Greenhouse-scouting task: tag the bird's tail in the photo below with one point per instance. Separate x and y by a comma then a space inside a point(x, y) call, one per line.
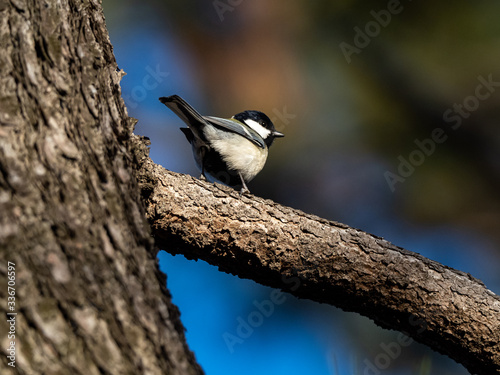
point(186, 113)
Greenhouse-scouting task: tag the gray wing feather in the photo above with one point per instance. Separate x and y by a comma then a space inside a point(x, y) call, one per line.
point(234, 126)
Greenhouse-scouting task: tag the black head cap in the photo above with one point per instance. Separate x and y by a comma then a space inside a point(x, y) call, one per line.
point(266, 129)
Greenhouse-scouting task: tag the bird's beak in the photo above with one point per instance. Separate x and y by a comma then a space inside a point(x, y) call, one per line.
point(277, 134)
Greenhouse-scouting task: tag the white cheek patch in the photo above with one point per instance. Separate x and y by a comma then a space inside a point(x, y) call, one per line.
point(262, 131)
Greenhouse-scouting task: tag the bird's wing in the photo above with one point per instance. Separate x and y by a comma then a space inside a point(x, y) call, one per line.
point(235, 126)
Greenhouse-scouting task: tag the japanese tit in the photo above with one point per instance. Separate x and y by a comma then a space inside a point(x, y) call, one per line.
point(231, 151)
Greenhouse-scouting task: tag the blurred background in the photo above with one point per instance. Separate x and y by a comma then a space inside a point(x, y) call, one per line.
point(391, 115)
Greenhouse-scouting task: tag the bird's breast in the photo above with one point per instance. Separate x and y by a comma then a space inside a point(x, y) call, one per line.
point(241, 155)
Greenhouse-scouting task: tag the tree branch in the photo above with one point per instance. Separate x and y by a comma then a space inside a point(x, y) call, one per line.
point(325, 261)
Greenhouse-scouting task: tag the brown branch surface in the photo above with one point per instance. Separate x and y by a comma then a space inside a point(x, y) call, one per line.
point(325, 261)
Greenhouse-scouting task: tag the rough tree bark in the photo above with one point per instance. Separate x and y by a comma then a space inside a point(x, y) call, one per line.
point(89, 296)
point(448, 310)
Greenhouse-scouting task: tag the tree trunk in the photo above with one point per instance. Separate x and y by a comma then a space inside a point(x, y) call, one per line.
point(86, 296)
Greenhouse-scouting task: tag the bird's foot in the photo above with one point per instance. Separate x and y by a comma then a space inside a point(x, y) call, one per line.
point(244, 190)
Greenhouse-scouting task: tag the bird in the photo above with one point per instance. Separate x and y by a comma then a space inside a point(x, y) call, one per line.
point(231, 151)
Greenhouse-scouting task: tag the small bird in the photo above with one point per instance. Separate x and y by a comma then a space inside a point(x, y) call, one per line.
point(231, 151)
